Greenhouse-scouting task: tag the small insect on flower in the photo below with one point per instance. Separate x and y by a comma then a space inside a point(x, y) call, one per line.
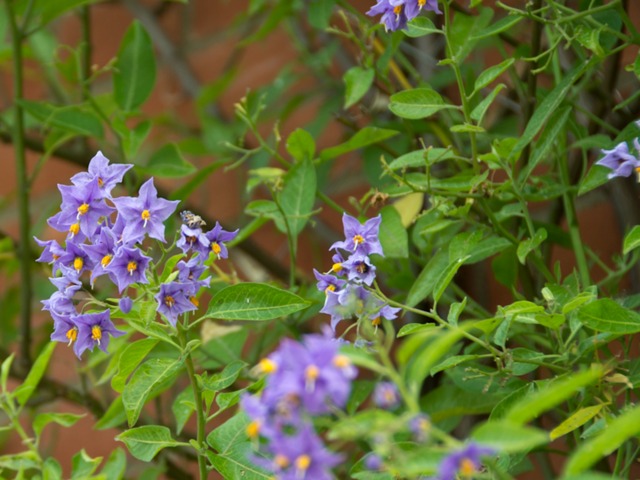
point(192, 220)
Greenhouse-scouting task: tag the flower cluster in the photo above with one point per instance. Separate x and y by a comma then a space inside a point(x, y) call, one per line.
point(464, 462)
point(104, 236)
point(396, 13)
point(622, 162)
point(303, 379)
point(344, 285)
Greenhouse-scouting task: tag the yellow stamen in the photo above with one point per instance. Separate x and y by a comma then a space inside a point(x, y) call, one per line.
point(397, 10)
point(421, 3)
point(145, 215)
point(83, 209)
point(169, 301)
point(96, 333)
point(74, 229)
point(78, 263)
point(215, 248)
point(72, 335)
point(253, 429)
point(311, 374)
point(341, 361)
point(376, 321)
point(106, 260)
point(132, 266)
point(336, 267)
point(101, 182)
point(267, 366)
point(54, 256)
point(330, 288)
point(195, 301)
point(467, 467)
point(281, 461)
point(191, 240)
point(358, 239)
point(303, 462)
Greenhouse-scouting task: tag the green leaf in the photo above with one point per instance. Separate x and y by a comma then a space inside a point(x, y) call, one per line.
point(606, 315)
point(147, 380)
point(552, 394)
point(466, 128)
point(49, 11)
point(490, 74)
point(129, 361)
point(420, 26)
point(183, 407)
point(358, 81)
point(423, 286)
point(417, 103)
point(547, 108)
point(224, 379)
point(145, 442)
point(116, 465)
point(254, 302)
point(134, 137)
point(606, 442)
point(4, 371)
point(83, 465)
point(411, 328)
point(363, 138)
point(421, 158)
point(452, 362)
point(38, 369)
point(73, 118)
point(631, 240)
point(51, 469)
point(479, 111)
point(393, 236)
point(500, 26)
point(64, 419)
point(135, 68)
point(576, 420)
point(267, 209)
point(464, 32)
point(446, 276)
point(527, 246)
point(168, 162)
point(298, 195)
point(113, 417)
point(507, 437)
point(597, 176)
point(301, 145)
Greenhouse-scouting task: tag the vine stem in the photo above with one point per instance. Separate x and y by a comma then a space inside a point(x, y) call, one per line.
point(23, 188)
point(200, 414)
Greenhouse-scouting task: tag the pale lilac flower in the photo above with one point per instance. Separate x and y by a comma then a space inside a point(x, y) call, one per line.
point(620, 161)
point(464, 462)
point(145, 213)
point(173, 301)
point(82, 205)
point(107, 176)
point(193, 239)
point(65, 328)
point(101, 254)
point(125, 304)
point(94, 329)
point(51, 253)
point(328, 283)
point(190, 273)
point(373, 462)
point(385, 395)
point(128, 266)
point(420, 426)
point(360, 238)
point(75, 258)
point(393, 14)
point(218, 238)
point(360, 269)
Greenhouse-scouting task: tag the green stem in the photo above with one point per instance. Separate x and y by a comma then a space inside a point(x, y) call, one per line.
point(200, 414)
point(23, 188)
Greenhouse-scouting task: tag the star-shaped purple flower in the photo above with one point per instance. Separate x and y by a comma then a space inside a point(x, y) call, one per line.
point(218, 237)
point(101, 254)
point(107, 176)
point(360, 238)
point(65, 328)
point(128, 266)
point(145, 213)
point(173, 300)
point(94, 329)
point(193, 238)
point(84, 205)
point(360, 269)
point(620, 160)
point(465, 462)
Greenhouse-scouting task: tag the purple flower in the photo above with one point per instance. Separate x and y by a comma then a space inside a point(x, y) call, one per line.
point(67, 284)
point(360, 269)
point(76, 259)
point(360, 238)
point(107, 176)
point(373, 462)
point(465, 462)
point(65, 329)
point(420, 425)
point(74, 234)
point(82, 205)
point(145, 213)
point(173, 301)
point(193, 238)
point(125, 304)
point(189, 275)
point(301, 456)
point(128, 266)
point(393, 14)
point(101, 254)
point(386, 395)
point(218, 237)
point(51, 253)
point(328, 283)
point(94, 329)
point(620, 160)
